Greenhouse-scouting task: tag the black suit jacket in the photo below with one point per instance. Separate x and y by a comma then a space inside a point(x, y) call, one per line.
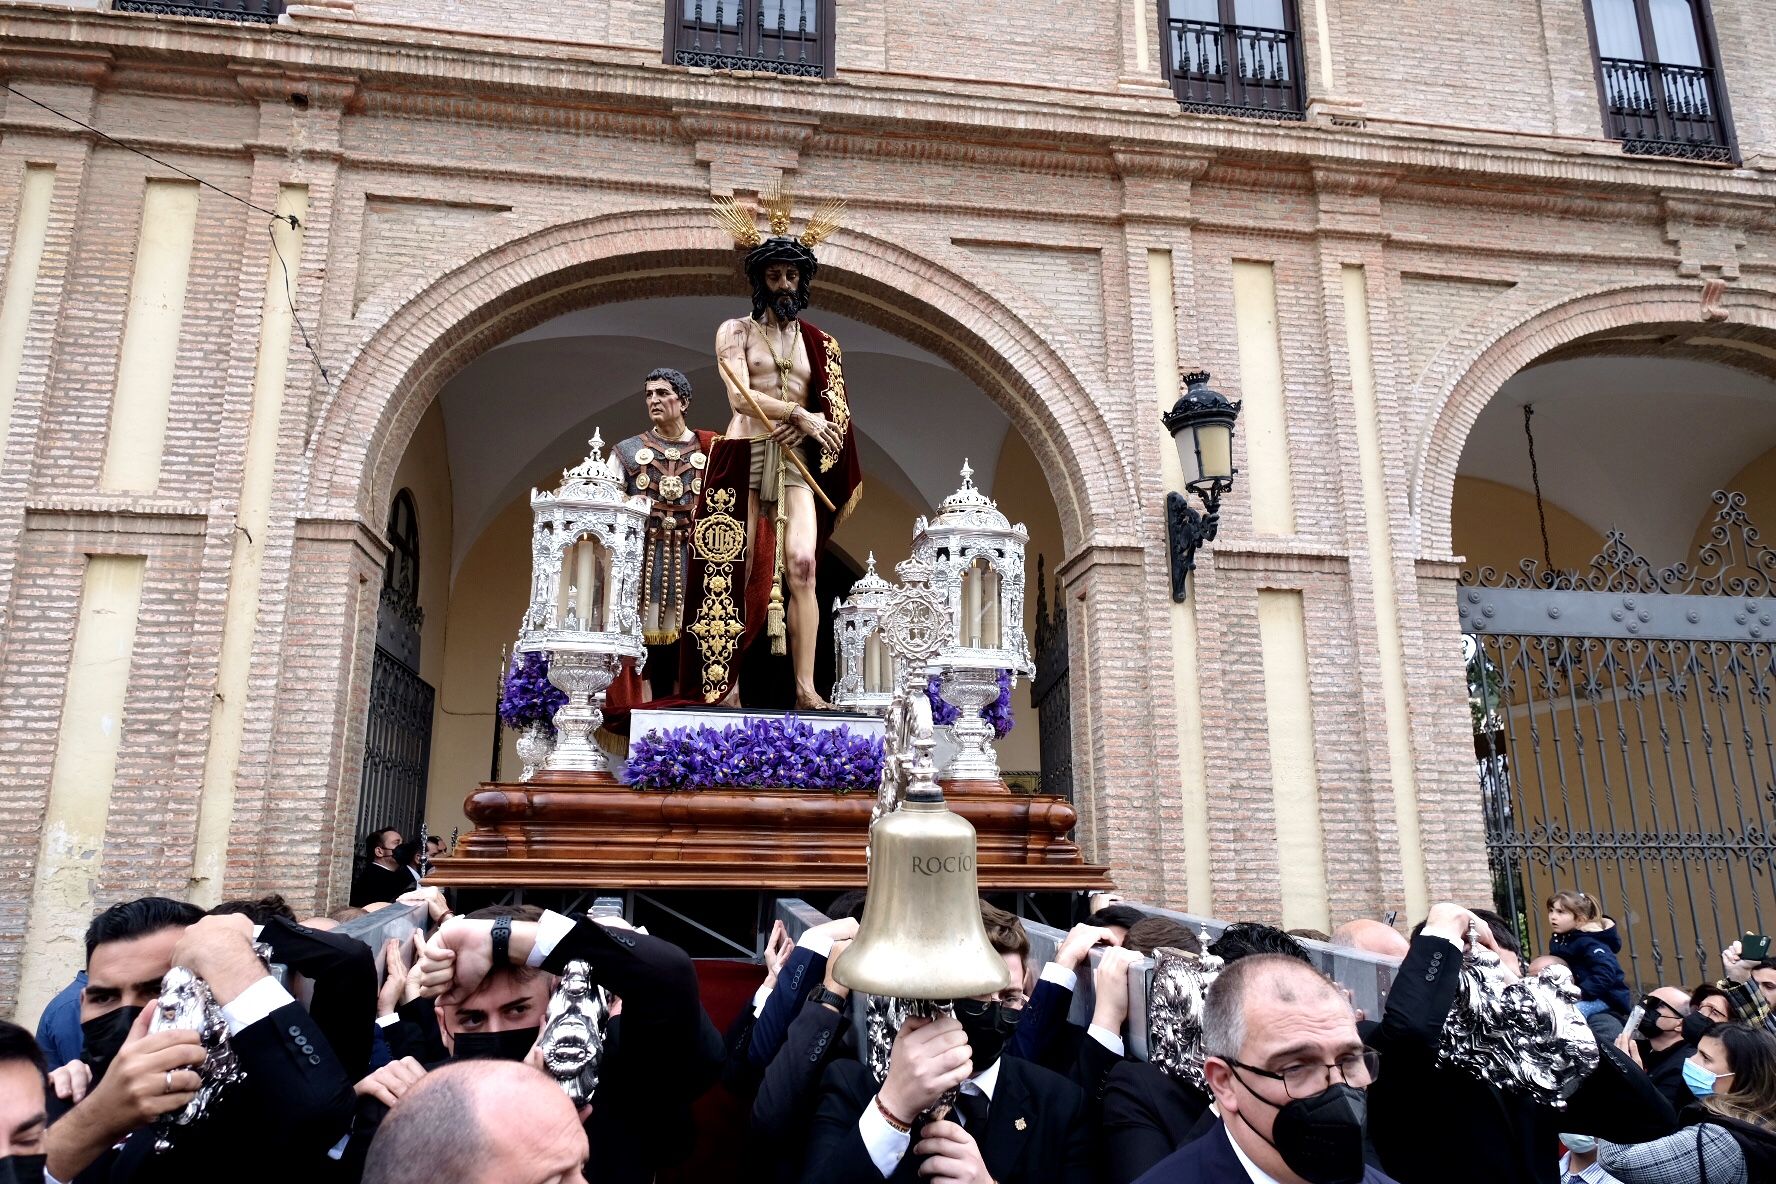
point(376, 883)
point(1666, 1070)
point(660, 1054)
point(1418, 1109)
point(1211, 1160)
point(1036, 1130)
point(343, 972)
point(1146, 1116)
point(276, 1125)
point(789, 1091)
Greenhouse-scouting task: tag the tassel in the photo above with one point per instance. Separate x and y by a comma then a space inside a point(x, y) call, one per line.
point(774, 622)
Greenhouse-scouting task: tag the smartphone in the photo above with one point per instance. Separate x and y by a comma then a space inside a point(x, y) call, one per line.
point(607, 906)
point(1754, 947)
point(1632, 1024)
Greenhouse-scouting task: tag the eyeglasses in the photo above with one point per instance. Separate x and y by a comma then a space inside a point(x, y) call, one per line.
point(1304, 1079)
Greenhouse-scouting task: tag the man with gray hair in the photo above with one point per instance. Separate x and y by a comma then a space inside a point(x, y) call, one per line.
point(480, 1122)
point(1288, 1072)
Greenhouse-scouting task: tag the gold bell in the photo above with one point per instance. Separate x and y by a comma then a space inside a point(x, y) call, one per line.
point(922, 936)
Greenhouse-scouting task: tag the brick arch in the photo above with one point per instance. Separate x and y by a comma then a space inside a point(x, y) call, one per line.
point(434, 330)
point(1505, 349)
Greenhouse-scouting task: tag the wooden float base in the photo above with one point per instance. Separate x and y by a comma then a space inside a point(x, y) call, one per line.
point(558, 833)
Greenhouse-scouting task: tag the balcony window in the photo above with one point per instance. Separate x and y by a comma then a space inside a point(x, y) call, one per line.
point(266, 11)
point(1234, 57)
point(1659, 78)
point(779, 36)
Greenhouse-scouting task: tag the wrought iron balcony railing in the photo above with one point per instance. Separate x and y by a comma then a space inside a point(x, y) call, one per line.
point(1660, 110)
point(266, 11)
point(780, 36)
point(1235, 69)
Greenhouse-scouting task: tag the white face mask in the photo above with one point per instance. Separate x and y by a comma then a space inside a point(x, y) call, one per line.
point(1579, 1144)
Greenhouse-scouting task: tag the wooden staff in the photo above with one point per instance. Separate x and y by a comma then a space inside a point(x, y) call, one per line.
point(790, 452)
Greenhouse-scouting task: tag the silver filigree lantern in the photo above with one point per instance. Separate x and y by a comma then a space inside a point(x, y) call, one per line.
point(865, 680)
point(976, 558)
point(585, 573)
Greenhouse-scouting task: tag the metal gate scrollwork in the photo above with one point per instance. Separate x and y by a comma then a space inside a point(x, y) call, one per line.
point(1624, 741)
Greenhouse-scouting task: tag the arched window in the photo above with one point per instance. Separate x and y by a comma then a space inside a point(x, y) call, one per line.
point(1660, 80)
point(401, 579)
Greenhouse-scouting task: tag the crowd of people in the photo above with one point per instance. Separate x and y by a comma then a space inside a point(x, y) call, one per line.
point(431, 1069)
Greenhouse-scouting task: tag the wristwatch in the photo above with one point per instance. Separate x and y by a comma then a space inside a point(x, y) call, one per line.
point(502, 940)
point(831, 999)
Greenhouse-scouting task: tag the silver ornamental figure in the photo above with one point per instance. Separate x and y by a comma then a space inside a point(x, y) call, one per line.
point(585, 589)
point(572, 1040)
point(1175, 997)
point(976, 559)
point(866, 675)
point(1525, 1035)
point(187, 1005)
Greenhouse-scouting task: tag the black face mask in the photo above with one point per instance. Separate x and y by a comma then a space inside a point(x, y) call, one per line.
point(1649, 1023)
point(1321, 1137)
point(1695, 1026)
point(22, 1169)
point(101, 1039)
point(514, 1044)
point(988, 1026)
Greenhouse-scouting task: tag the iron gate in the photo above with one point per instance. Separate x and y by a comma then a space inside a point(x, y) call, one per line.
point(1625, 744)
point(1049, 691)
point(397, 748)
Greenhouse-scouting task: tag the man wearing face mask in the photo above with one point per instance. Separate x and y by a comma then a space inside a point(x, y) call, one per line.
point(1288, 1073)
point(129, 948)
point(1579, 1163)
point(1420, 1108)
point(22, 1117)
point(1663, 1042)
point(1014, 1122)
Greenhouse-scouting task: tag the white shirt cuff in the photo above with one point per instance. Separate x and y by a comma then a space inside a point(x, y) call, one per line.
point(1060, 976)
point(550, 930)
point(383, 1021)
point(758, 1000)
point(886, 1146)
point(816, 942)
point(254, 1004)
point(338, 1150)
point(1107, 1038)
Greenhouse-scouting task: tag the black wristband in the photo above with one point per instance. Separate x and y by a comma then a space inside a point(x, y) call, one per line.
point(832, 999)
point(502, 940)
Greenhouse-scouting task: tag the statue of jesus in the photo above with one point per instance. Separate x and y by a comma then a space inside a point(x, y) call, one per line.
point(788, 462)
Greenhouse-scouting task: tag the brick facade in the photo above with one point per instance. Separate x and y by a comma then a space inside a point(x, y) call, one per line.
point(466, 183)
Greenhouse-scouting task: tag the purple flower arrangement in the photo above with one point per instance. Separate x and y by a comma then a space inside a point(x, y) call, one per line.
point(998, 713)
point(782, 753)
point(529, 696)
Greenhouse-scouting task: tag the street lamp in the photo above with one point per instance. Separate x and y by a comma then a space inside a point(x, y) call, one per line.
point(1201, 423)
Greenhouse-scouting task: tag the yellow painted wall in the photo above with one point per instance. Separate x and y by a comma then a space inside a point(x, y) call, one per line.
point(21, 280)
point(1495, 525)
point(1022, 491)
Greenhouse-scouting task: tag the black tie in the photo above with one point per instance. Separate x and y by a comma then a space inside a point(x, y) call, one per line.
point(972, 1108)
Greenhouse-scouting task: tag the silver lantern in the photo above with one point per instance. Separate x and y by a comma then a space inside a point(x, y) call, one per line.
point(976, 557)
point(585, 572)
point(866, 666)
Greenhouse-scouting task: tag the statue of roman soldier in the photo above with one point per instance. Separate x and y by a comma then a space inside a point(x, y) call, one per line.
point(665, 464)
point(784, 475)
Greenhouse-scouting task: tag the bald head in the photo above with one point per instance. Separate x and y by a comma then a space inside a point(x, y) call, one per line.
point(1677, 999)
point(1258, 983)
point(479, 1122)
point(1371, 936)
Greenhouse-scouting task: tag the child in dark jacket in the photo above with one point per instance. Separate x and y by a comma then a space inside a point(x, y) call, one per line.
point(1589, 943)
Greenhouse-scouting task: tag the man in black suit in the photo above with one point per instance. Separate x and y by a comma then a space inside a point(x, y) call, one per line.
point(1659, 1047)
point(1014, 1121)
point(1288, 1072)
point(1419, 1109)
point(293, 1104)
point(660, 1053)
point(382, 879)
